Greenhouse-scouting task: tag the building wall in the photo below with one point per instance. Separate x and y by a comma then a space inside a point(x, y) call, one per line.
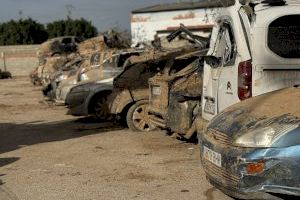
point(144, 26)
point(19, 60)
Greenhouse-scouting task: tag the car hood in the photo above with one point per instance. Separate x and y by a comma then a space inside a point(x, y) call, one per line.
point(275, 108)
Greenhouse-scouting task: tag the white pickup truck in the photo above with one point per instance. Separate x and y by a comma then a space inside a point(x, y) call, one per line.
point(254, 49)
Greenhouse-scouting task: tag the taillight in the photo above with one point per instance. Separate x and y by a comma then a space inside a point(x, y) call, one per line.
point(245, 80)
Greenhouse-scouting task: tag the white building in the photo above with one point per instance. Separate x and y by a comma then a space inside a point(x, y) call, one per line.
point(162, 19)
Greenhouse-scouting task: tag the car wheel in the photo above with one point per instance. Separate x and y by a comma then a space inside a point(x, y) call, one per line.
point(138, 117)
point(100, 109)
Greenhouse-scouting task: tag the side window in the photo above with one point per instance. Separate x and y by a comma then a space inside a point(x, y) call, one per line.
point(225, 47)
point(284, 36)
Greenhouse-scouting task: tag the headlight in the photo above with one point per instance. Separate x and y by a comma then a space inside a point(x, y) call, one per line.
point(264, 137)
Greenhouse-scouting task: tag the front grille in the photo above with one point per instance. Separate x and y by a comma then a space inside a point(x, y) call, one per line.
point(219, 137)
point(221, 174)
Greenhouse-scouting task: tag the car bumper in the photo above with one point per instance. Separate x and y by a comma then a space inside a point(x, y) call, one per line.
point(76, 103)
point(280, 174)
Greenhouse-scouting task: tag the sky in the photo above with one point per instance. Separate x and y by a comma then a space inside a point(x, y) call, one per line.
point(103, 13)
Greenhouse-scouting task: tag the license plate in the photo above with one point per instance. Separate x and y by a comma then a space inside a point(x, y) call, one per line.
point(156, 90)
point(209, 107)
point(212, 156)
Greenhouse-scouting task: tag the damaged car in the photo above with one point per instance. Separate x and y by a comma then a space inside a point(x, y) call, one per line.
point(89, 96)
point(175, 93)
point(89, 69)
point(68, 70)
point(130, 97)
point(252, 149)
point(58, 46)
point(175, 98)
point(253, 50)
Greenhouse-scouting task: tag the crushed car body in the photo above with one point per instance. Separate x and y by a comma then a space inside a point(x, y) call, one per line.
point(175, 93)
point(130, 96)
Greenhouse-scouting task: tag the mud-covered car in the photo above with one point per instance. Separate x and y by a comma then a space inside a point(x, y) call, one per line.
point(56, 78)
point(89, 96)
point(130, 97)
point(253, 148)
point(58, 46)
point(175, 94)
point(46, 72)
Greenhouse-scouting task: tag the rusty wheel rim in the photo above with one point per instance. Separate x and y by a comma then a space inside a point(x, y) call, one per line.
point(141, 119)
point(101, 109)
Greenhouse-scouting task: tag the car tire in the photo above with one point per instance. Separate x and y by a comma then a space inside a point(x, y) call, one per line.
point(137, 117)
point(100, 109)
point(5, 75)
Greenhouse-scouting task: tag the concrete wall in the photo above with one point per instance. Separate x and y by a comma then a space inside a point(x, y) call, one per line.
point(144, 26)
point(19, 60)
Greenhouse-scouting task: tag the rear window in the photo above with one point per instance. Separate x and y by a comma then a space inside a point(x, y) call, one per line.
point(284, 36)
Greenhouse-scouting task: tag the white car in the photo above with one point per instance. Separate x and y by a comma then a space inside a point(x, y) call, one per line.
point(254, 49)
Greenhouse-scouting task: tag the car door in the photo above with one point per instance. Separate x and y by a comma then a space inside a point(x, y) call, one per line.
point(228, 49)
point(212, 70)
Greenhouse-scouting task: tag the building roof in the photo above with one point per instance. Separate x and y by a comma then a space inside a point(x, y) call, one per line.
point(185, 6)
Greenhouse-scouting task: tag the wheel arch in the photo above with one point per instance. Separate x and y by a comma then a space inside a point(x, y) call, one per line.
point(92, 98)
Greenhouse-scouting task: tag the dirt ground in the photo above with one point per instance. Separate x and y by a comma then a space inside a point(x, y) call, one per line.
point(46, 155)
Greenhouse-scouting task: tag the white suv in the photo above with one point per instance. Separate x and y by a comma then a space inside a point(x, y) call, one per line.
point(254, 49)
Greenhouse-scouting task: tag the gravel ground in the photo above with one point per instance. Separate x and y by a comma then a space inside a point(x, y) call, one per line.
point(46, 155)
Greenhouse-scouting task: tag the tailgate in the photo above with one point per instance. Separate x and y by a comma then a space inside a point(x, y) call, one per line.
point(276, 57)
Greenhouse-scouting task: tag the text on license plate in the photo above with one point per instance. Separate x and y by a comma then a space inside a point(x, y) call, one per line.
point(209, 107)
point(212, 156)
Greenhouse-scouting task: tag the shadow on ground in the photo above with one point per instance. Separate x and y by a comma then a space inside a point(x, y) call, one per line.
point(7, 161)
point(16, 136)
point(5, 193)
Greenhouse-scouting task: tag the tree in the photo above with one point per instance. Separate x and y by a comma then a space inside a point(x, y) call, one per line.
point(22, 31)
point(70, 27)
